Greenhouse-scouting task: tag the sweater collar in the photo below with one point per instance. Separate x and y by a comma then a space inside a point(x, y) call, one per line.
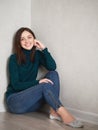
point(27, 52)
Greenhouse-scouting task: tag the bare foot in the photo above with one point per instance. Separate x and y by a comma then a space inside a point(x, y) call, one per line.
point(65, 115)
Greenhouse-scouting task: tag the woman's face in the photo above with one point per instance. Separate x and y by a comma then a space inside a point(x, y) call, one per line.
point(27, 40)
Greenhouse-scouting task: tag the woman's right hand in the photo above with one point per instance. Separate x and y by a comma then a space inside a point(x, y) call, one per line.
point(39, 45)
point(45, 80)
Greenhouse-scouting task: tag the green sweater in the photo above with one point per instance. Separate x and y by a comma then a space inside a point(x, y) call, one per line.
point(24, 76)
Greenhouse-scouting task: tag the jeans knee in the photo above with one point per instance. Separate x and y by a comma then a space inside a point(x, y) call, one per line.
point(15, 111)
point(15, 108)
point(47, 86)
point(55, 73)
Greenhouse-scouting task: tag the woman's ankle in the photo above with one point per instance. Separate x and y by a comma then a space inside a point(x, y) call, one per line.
point(53, 112)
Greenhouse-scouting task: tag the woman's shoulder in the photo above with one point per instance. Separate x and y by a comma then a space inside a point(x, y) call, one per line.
point(12, 61)
point(12, 57)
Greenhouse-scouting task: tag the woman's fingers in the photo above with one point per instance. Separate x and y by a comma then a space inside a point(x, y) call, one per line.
point(39, 45)
point(49, 81)
point(45, 80)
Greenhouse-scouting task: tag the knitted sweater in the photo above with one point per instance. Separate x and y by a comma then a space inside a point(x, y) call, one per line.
point(23, 76)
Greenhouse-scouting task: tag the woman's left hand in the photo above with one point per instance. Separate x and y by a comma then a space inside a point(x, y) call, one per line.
point(45, 80)
point(39, 45)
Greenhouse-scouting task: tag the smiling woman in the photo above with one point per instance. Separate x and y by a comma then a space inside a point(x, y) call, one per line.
point(27, 40)
point(24, 92)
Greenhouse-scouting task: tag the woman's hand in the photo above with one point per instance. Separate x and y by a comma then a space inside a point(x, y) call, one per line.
point(45, 80)
point(39, 45)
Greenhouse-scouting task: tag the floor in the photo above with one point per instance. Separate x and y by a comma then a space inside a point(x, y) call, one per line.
point(35, 121)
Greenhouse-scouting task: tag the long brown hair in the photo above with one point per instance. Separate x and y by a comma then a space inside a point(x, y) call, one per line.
point(17, 46)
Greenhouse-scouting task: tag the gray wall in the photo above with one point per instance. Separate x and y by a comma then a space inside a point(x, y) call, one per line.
point(13, 15)
point(70, 30)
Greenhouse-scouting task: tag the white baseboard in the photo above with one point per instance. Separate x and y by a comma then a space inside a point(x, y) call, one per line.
point(84, 116)
point(2, 109)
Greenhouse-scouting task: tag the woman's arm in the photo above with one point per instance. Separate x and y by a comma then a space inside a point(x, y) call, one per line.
point(46, 58)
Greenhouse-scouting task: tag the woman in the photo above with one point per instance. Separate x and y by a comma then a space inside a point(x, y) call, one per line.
point(25, 93)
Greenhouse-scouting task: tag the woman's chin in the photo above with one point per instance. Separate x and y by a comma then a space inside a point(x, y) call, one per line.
point(28, 48)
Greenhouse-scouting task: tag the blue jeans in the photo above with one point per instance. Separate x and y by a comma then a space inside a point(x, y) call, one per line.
point(32, 99)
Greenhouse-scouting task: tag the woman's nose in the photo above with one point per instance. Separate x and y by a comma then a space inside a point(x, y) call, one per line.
point(26, 40)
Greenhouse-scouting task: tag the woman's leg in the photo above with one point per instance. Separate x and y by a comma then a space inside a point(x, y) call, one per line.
point(54, 77)
point(64, 114)
point(67, 118)
point(52, 99)
point(26, 101)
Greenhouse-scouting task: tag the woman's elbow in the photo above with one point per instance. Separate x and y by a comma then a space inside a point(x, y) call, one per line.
point(52, 68)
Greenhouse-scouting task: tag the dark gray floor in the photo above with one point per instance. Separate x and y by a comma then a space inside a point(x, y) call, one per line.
point(35, 121)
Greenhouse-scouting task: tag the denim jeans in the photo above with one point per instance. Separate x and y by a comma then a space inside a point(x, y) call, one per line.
point(32, 99)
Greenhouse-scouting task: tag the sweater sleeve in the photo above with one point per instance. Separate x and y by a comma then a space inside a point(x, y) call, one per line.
point(14, 77)
point(47, 60)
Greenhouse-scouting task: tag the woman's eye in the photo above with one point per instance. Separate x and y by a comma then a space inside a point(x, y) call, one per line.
point(22, 39)
point(30, 37)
